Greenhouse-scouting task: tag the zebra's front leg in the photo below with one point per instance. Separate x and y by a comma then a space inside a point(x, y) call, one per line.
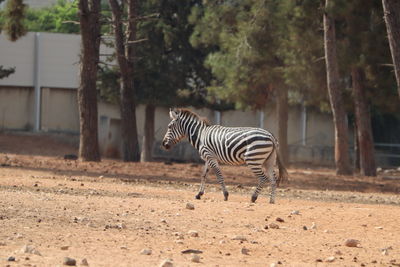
point(203, 181)
point(214, 165)
point(258, 171)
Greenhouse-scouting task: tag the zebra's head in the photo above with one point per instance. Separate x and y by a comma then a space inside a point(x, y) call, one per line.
point(175, 131)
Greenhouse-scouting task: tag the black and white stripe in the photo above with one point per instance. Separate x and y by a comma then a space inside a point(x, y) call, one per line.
point(216, 144)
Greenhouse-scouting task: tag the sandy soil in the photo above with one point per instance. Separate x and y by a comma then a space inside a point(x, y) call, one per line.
point(109, 212)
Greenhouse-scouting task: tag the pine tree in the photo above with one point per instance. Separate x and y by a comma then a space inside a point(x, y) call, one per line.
point(89, 15)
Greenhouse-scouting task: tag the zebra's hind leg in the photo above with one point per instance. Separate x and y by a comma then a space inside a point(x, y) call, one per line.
point(214, 165)
point(262, 179)
point(272, 180)
point(203, 181)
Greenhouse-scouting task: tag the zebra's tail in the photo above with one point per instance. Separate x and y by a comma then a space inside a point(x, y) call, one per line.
point(283, 174)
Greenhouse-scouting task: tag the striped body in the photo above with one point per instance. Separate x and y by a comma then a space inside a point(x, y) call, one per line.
point(236, 145)
point(255, 147)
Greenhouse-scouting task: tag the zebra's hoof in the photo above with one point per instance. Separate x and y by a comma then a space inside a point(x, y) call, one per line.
point(253, 198)
point(198, 196)
point(272, 202)
point(226, 195)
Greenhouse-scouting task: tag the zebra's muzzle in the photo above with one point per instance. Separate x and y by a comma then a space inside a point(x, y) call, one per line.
point(166, 145)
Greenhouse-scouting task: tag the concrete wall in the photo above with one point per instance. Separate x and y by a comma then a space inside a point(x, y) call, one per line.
point(59, 113)
point(57, 57)
point(59, 110)
point(16, 108)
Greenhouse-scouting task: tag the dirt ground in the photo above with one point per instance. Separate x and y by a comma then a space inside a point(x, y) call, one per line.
point(108, 212)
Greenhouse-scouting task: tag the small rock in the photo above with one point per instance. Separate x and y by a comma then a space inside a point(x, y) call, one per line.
point(84, 262)
point(189, 206)
point(273, 226)
point(239, 237)
point(305, 228)
point(295, 212)
point(245, 251)
point(330, 259)
point(166, 263)
point(385, 251)
point(195, 258)
point(222, 241)
point(278, 219)
point(193, 233)
point(11, 258)
point(64, 248)
point(313, 226)
point(352, 243)
point(145, 252)
point(163, 221)
point(191, 251)
point(30, 249)
point(69, 261)
point(121, 226)
point(379, 227)
point(2, 244)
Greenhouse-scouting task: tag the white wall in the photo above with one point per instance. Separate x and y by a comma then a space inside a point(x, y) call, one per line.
point(58, 59)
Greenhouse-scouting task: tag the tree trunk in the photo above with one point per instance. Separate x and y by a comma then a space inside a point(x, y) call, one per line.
point(391, 10)
point(356, 150)
point(125, 58)
point(364, 129)
point(89, 14)
point(148, 137)
point(342, 158)
point(282, 113)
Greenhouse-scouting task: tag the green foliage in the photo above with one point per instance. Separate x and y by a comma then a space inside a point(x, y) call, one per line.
point(169, 70)
point(244, 38)
point(108, 84)
point(14, 15)
point(57, 18)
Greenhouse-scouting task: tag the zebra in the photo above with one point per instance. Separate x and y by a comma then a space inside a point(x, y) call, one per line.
point(216, 144)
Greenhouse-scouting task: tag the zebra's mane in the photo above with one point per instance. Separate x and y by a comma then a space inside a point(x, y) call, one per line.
point(193, 114)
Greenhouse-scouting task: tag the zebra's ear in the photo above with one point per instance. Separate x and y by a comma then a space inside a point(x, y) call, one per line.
point(173, 114)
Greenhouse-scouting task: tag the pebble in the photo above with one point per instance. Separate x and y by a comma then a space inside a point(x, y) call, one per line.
point(64, 248)
point(278, 219)
point(245, 251)
point(313, 226)
point(273, 226)
point(352, 243)
point(11, 258)
point(305, 228)
point(2, 244)
point(191, 251)
point(166, 263)
point(84, 262)
point(189, 206)
point(195, 258)
point(30, 249)
point(69, 261)
point(330, 259)
point(193, 233)
point(295, 212)
point(239, 237)
point(145, 252)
